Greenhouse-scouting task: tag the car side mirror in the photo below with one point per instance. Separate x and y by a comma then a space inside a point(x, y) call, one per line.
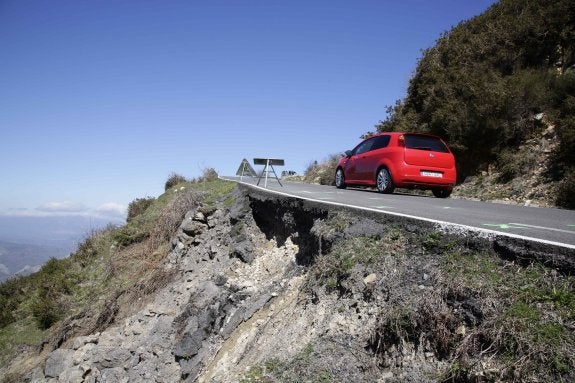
point(348, 153)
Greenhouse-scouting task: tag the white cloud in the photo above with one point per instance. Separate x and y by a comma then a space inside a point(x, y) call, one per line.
point(4, 270)
point(111, 209)
point(62, 207)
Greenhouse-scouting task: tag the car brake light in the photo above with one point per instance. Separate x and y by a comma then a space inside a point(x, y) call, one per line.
point(401, 140)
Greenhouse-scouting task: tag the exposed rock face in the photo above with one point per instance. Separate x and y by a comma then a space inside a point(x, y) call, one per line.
point(243, 295)
point(228, 272)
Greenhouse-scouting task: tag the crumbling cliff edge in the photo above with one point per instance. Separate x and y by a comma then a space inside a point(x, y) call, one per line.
point(277, 289)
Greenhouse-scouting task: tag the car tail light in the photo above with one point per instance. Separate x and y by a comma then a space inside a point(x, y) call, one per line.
point(401, 141)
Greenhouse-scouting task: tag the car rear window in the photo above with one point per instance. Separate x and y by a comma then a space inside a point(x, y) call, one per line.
point(432, 144)
point(380, 142)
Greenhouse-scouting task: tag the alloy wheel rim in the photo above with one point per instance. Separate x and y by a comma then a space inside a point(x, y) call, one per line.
point(339, 178)
point(382, 180)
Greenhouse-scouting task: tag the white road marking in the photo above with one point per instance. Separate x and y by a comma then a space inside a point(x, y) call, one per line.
point(313, 192)
point(486, 232)
point(544, 228)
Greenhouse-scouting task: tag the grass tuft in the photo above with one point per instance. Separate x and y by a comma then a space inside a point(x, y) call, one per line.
point(109, 263)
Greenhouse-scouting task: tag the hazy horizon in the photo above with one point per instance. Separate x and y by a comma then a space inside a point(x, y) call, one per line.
point(31, 241)
point(102, 100)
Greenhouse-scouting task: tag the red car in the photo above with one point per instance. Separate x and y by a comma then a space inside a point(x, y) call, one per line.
point(403, 160)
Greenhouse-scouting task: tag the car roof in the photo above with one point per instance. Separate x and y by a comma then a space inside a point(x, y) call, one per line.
point(401, 133)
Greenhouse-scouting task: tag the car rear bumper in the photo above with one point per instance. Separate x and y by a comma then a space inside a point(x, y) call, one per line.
point(413, 176)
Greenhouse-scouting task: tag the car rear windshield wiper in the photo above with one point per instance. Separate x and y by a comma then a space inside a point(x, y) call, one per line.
point(421, 147)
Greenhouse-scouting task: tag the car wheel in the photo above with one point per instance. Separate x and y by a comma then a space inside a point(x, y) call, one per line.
point(384, 181)
point(441, 193)
point(339, 179)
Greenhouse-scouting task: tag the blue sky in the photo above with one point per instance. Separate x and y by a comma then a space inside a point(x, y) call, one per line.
point(101, 100)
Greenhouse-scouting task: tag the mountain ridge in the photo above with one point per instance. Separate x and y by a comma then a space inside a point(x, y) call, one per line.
point(32, 240)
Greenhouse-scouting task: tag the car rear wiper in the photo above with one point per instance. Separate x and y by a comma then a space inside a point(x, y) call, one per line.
point(422, 147)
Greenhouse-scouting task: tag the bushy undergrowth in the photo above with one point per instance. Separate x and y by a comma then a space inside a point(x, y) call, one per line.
point(322, 172)
point(48, 294)
point(208, 175)
point(511, 164)
point(566, 191)
point(139, 206)
point(486, 83)
point(487, 314)
point(482, 316)
point(301, 368)
point(335, 267)
point(107, 261)
point(173, 180)
point(527, 311)
point(55, 283)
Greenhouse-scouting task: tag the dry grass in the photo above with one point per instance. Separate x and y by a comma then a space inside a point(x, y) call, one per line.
point(323, 172)
point(172, 216)
point(485, 318)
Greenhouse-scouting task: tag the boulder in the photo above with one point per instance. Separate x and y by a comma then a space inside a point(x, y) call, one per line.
point(193, 228)
point(58, 361)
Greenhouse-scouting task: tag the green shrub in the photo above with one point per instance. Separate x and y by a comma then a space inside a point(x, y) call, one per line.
point(484, 80)
point(57, 276)
point(566, 191)
point(138, 206)
point(45, 309)
point(208, 175)
point(324, 172)
point(333, 268)
point(55, 280)
point(565, 155)
point(6, 308)
point(303, 367)
point(512, 164)
point(129, 234)
point(87, 248)
point(173, 180)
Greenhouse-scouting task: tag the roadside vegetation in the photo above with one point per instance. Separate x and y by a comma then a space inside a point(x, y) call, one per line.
point(322, 172)
point(110, 264)
point(500, 89)
point(302, 368)
point(467, 312)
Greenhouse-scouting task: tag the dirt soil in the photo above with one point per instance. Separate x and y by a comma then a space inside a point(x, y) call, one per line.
point(278, 290)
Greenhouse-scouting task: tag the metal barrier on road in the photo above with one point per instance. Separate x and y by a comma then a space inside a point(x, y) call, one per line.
point(268, 164)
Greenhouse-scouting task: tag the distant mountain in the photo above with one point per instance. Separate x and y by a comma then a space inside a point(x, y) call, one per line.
point(26, 243)
point(16, 258)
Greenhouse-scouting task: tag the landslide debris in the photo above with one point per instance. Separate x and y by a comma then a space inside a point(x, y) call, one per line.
point(255, 288)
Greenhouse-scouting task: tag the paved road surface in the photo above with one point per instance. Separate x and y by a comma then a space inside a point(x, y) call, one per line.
point(554, 226)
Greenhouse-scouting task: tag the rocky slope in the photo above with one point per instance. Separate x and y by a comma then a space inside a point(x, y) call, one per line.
point(278, 290)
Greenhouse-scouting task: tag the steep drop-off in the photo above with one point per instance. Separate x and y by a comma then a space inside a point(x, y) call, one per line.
point(280, 290)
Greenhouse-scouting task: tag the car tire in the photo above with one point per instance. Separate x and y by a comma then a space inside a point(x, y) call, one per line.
point(340, 179)
point(441, 193)
point(384, 182)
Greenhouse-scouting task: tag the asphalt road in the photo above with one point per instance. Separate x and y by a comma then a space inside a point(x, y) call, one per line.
point(552, 226)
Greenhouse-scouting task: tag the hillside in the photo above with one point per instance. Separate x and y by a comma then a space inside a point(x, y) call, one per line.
point(500, 88)
point(17, 258)
point(27, 242)
point(211, 283)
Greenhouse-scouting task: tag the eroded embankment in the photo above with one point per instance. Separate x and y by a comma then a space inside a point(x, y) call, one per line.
point(277, 289)
point(394, 299)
